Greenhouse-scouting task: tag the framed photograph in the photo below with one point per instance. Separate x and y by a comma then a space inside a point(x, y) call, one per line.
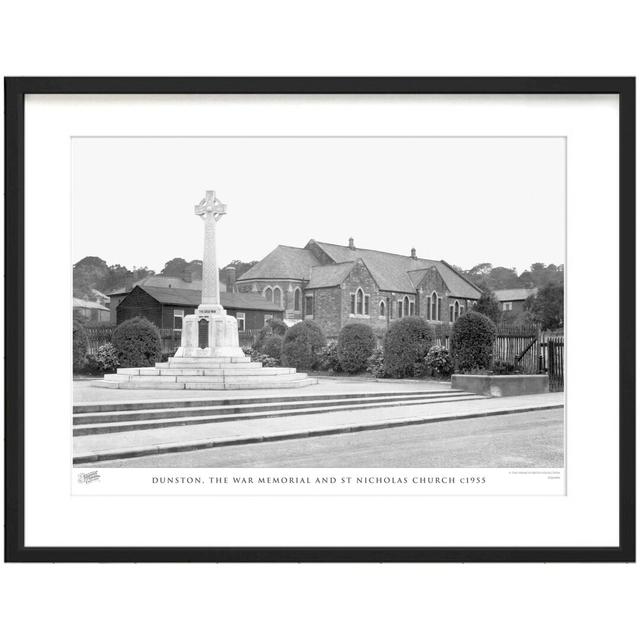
point(320, 319)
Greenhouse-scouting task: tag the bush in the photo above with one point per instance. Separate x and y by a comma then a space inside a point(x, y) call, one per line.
point(356, 343)
point(104, 360)
point(405, 344)
point(137, 343)
point(301, 345)
point(472, 342)
point(375, 363)
point(80, 346)
point(439, 361)
point(328, 358)
point(504, 368)
point(272, 346)
point(273, 327)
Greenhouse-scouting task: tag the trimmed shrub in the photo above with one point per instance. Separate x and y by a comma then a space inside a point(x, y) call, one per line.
point(301, 345)
point(375, 363)
point(328, 358)
point(80, 346)
point(504, 368)
point(356, 343)
point(273, 327)
point(439, 361)
point(104, 360)
point(405, 344)
point(472, 342)
point(272, 347)
point(137, 343)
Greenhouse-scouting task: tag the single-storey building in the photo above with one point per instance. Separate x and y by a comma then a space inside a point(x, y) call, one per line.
point(167, 306)
point(512, 300)
point(336, 284)
point(91, 311)
point(186, 281)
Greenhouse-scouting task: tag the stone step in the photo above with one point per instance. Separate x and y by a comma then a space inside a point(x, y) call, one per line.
point(139, 425)
point(240, 408)
point(207, 360)
point(209, 373)
point(206, 366)
point(175, 403)
point(152, 382)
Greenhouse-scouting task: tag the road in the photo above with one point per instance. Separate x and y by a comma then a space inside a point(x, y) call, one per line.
point(533, 439)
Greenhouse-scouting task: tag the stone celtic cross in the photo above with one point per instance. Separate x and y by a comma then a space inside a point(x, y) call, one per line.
point(210, 206)
point(210, 209)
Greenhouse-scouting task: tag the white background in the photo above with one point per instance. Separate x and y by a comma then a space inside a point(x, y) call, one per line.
point(587, 516)
point(467, 38)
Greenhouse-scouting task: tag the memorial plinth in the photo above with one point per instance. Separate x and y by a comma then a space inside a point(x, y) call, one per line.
point(209, 356)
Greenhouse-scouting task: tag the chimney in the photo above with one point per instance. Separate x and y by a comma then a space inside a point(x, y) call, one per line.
point(187, 276)
point(351, 245)
point(230, 278)
point(413, 253)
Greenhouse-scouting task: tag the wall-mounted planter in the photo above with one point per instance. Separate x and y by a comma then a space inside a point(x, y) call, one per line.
point(498, 386)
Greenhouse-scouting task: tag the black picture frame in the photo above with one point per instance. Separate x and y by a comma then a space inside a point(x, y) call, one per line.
point(15, 91)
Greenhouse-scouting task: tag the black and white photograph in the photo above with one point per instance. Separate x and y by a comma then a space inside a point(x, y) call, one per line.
point(342, 302)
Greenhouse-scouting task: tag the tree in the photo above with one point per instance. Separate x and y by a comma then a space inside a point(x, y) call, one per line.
point(88, 273)
point(547, 307)
point(488, 305)
point(241, 267)
point(175, 267)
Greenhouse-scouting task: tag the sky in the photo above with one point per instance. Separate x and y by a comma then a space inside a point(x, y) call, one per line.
point(463, 200)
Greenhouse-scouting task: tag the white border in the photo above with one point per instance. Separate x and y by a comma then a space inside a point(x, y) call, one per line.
point(587, 516)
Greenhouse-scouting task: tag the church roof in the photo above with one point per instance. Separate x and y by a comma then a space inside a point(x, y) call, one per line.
point(193, 297)
point(392, 271)
point(285, 263)
point(329, 275)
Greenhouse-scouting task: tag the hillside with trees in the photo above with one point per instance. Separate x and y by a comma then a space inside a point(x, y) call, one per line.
point(93, 272)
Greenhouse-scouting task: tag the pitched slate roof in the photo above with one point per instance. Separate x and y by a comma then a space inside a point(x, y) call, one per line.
point(170, 282)
point(192, 298)
point(510, 295)
point(329, 275)
point(391, 270)
point(79, 303)
point(283, 263)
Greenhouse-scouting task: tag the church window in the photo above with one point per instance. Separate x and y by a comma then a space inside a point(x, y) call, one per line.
point(383, 309)
point(296, 300)
point(359, 302)
point(277, 296)
point(268, 294)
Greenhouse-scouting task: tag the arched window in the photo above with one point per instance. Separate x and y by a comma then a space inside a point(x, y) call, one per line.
point(434, 306)
point(360, 302)
point(296, 300)
point(268, 294)
point(399, 308)
point(456, 310)
point(383, 309)
point(277, 296)
point(406, 306)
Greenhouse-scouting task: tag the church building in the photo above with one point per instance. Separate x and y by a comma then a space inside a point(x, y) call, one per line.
point(336, 284)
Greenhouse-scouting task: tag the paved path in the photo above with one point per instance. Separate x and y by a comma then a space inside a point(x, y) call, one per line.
point(85, 392)
point(197, 436)
point(532, 439)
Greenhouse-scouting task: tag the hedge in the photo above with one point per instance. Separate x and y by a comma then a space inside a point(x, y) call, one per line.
point(356, 343)
point(80, 346)
point(301, 345)
point(406, 343)
point(472, 342)
point(137, 343)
